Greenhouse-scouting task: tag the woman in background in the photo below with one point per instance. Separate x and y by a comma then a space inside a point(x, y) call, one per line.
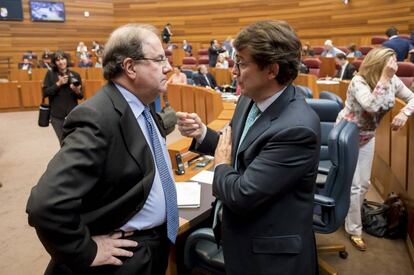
point(63, 88)
point(371, 94)
point(353, 51)
point(177, 77)
point(222, 63)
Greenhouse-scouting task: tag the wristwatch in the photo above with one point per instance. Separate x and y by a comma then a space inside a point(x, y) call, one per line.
point(406, 112)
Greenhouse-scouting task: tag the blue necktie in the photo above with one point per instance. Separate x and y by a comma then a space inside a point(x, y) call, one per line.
point(165, 176)
point(251, 118)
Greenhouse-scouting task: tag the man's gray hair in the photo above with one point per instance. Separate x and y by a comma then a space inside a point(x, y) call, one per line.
point(124, 42)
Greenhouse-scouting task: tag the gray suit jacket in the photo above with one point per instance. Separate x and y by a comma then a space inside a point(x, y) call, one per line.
point(268, 200)
point(98, 180)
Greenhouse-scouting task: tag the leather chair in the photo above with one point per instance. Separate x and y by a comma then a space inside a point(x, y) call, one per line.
point(313, 65)
point(357, 63)
point(307, 92)
point(202, 253)
point(189, 62)
point(203, 60)
point(378, 40)
point(327, 110)
point(332, 96)
point(332, 202)
point(317, 50)
point(365, 49)
point(344, 49)
point(406, 73)
point(202, 52)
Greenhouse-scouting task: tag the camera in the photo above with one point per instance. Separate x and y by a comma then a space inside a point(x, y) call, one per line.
point(72, 79)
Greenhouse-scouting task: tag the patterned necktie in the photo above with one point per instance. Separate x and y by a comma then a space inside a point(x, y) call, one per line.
point(218, 209)
point(165, 176)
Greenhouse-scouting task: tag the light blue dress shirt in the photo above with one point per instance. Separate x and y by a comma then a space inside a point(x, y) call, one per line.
point(154, 212)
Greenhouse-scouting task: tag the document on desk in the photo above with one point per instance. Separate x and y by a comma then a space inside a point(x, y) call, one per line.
point(204, 176)
point(188, 194)
point(323, 81)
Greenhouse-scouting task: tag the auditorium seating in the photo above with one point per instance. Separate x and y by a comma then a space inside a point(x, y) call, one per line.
point(189, 62)
point(313, 65)
point(378, 40)
point(356, 63)
point(406, 73)
point(365, 49)
point(317, 50)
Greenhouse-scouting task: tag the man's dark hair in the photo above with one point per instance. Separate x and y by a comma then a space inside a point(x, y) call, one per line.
point(391, 31)
point(59, 54)
point(124, 42)
point(272, 42)
point(341, 56)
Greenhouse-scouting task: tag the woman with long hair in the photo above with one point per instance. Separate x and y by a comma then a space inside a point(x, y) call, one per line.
point(371, 94)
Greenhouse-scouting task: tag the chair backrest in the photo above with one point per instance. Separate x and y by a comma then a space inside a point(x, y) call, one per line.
point(377, 40)
point(344, 49)
point(307, 92)
point(317, 50)
point(406, 73)
point(332, 96)
point(202, 52)
point(365, 49)
point(203, 60)
point(357, 63)
point(313, 64)
point(189, 62)
point(343, 145)
point(327, 111)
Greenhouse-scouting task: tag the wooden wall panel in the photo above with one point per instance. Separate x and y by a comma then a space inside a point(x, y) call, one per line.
point(17, 37)
point(314, 20)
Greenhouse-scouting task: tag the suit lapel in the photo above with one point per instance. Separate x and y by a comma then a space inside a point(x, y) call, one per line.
point(133, 136)
point(265, 119)
point(238, 121)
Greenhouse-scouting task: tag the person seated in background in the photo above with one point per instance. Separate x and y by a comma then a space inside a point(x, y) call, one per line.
point(85, 62)
point(307, 50)
point(81, 50)
point(400, 45)
point(98, 63)
point(46, 60)
point(29, 55)
point(26, 65)
point(177, 77)
point(347, 70)
point(353, 51)
point(205, 79)
point(222, 63)
point(330, 49)
point(188, 49)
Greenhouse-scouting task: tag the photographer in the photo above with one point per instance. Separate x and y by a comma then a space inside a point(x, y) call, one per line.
point(63, 88)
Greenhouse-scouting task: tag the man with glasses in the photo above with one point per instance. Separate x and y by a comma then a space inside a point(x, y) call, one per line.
point(107, 201)
point(266, 161)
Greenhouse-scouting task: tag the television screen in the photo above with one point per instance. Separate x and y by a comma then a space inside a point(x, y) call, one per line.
point(11, 10)
point(47, 11)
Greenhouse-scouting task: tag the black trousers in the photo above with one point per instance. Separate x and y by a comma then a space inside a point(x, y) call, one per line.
point(150, 258)
point(57, 124)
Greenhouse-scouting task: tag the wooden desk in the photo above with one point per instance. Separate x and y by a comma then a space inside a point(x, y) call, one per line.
point(226, 115)
point(177, 56)
point(328, 67)
point(9, 95)
point(31, 93)
point(308, 80)
point(223, 76)
point(229, 105)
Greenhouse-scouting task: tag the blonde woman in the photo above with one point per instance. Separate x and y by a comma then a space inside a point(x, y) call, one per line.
point(371, 94)
point(222, 63)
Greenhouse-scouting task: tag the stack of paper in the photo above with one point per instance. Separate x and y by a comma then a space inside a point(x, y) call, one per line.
point(188, 194)
point(204, 177)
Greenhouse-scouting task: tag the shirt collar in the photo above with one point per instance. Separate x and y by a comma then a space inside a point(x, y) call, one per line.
point(394, 36)
point(263, 105)
point(136, 105)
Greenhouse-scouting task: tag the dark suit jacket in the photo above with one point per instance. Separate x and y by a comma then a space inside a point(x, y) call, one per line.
point(268, 200)
point(201, 80)
point(213, 53)
point(400, 46)
point(349, 72)
point(98, 180)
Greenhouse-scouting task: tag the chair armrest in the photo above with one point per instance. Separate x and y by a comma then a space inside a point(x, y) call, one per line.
point(324, 201)
point(323, 170)
point(192, 240)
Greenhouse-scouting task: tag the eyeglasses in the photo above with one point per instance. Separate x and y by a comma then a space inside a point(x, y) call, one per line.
point(163, 61)
point(241, 64)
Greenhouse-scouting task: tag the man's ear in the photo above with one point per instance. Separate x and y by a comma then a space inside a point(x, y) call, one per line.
point(129, 67)
point(273, 71)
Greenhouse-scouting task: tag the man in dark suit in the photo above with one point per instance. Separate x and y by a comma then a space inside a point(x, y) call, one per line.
point(213, 52)
point(347, 70)
point(204, 78)
point(107, 203)
point(399, 45)
point(266, 160)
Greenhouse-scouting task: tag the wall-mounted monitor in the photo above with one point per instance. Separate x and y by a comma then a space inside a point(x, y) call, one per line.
point(11, 10)
point(47, 11)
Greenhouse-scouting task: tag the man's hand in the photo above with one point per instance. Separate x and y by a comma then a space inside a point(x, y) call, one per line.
point(190, 125)
point(398, 121)
point(109, 248)
point(223, 149)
